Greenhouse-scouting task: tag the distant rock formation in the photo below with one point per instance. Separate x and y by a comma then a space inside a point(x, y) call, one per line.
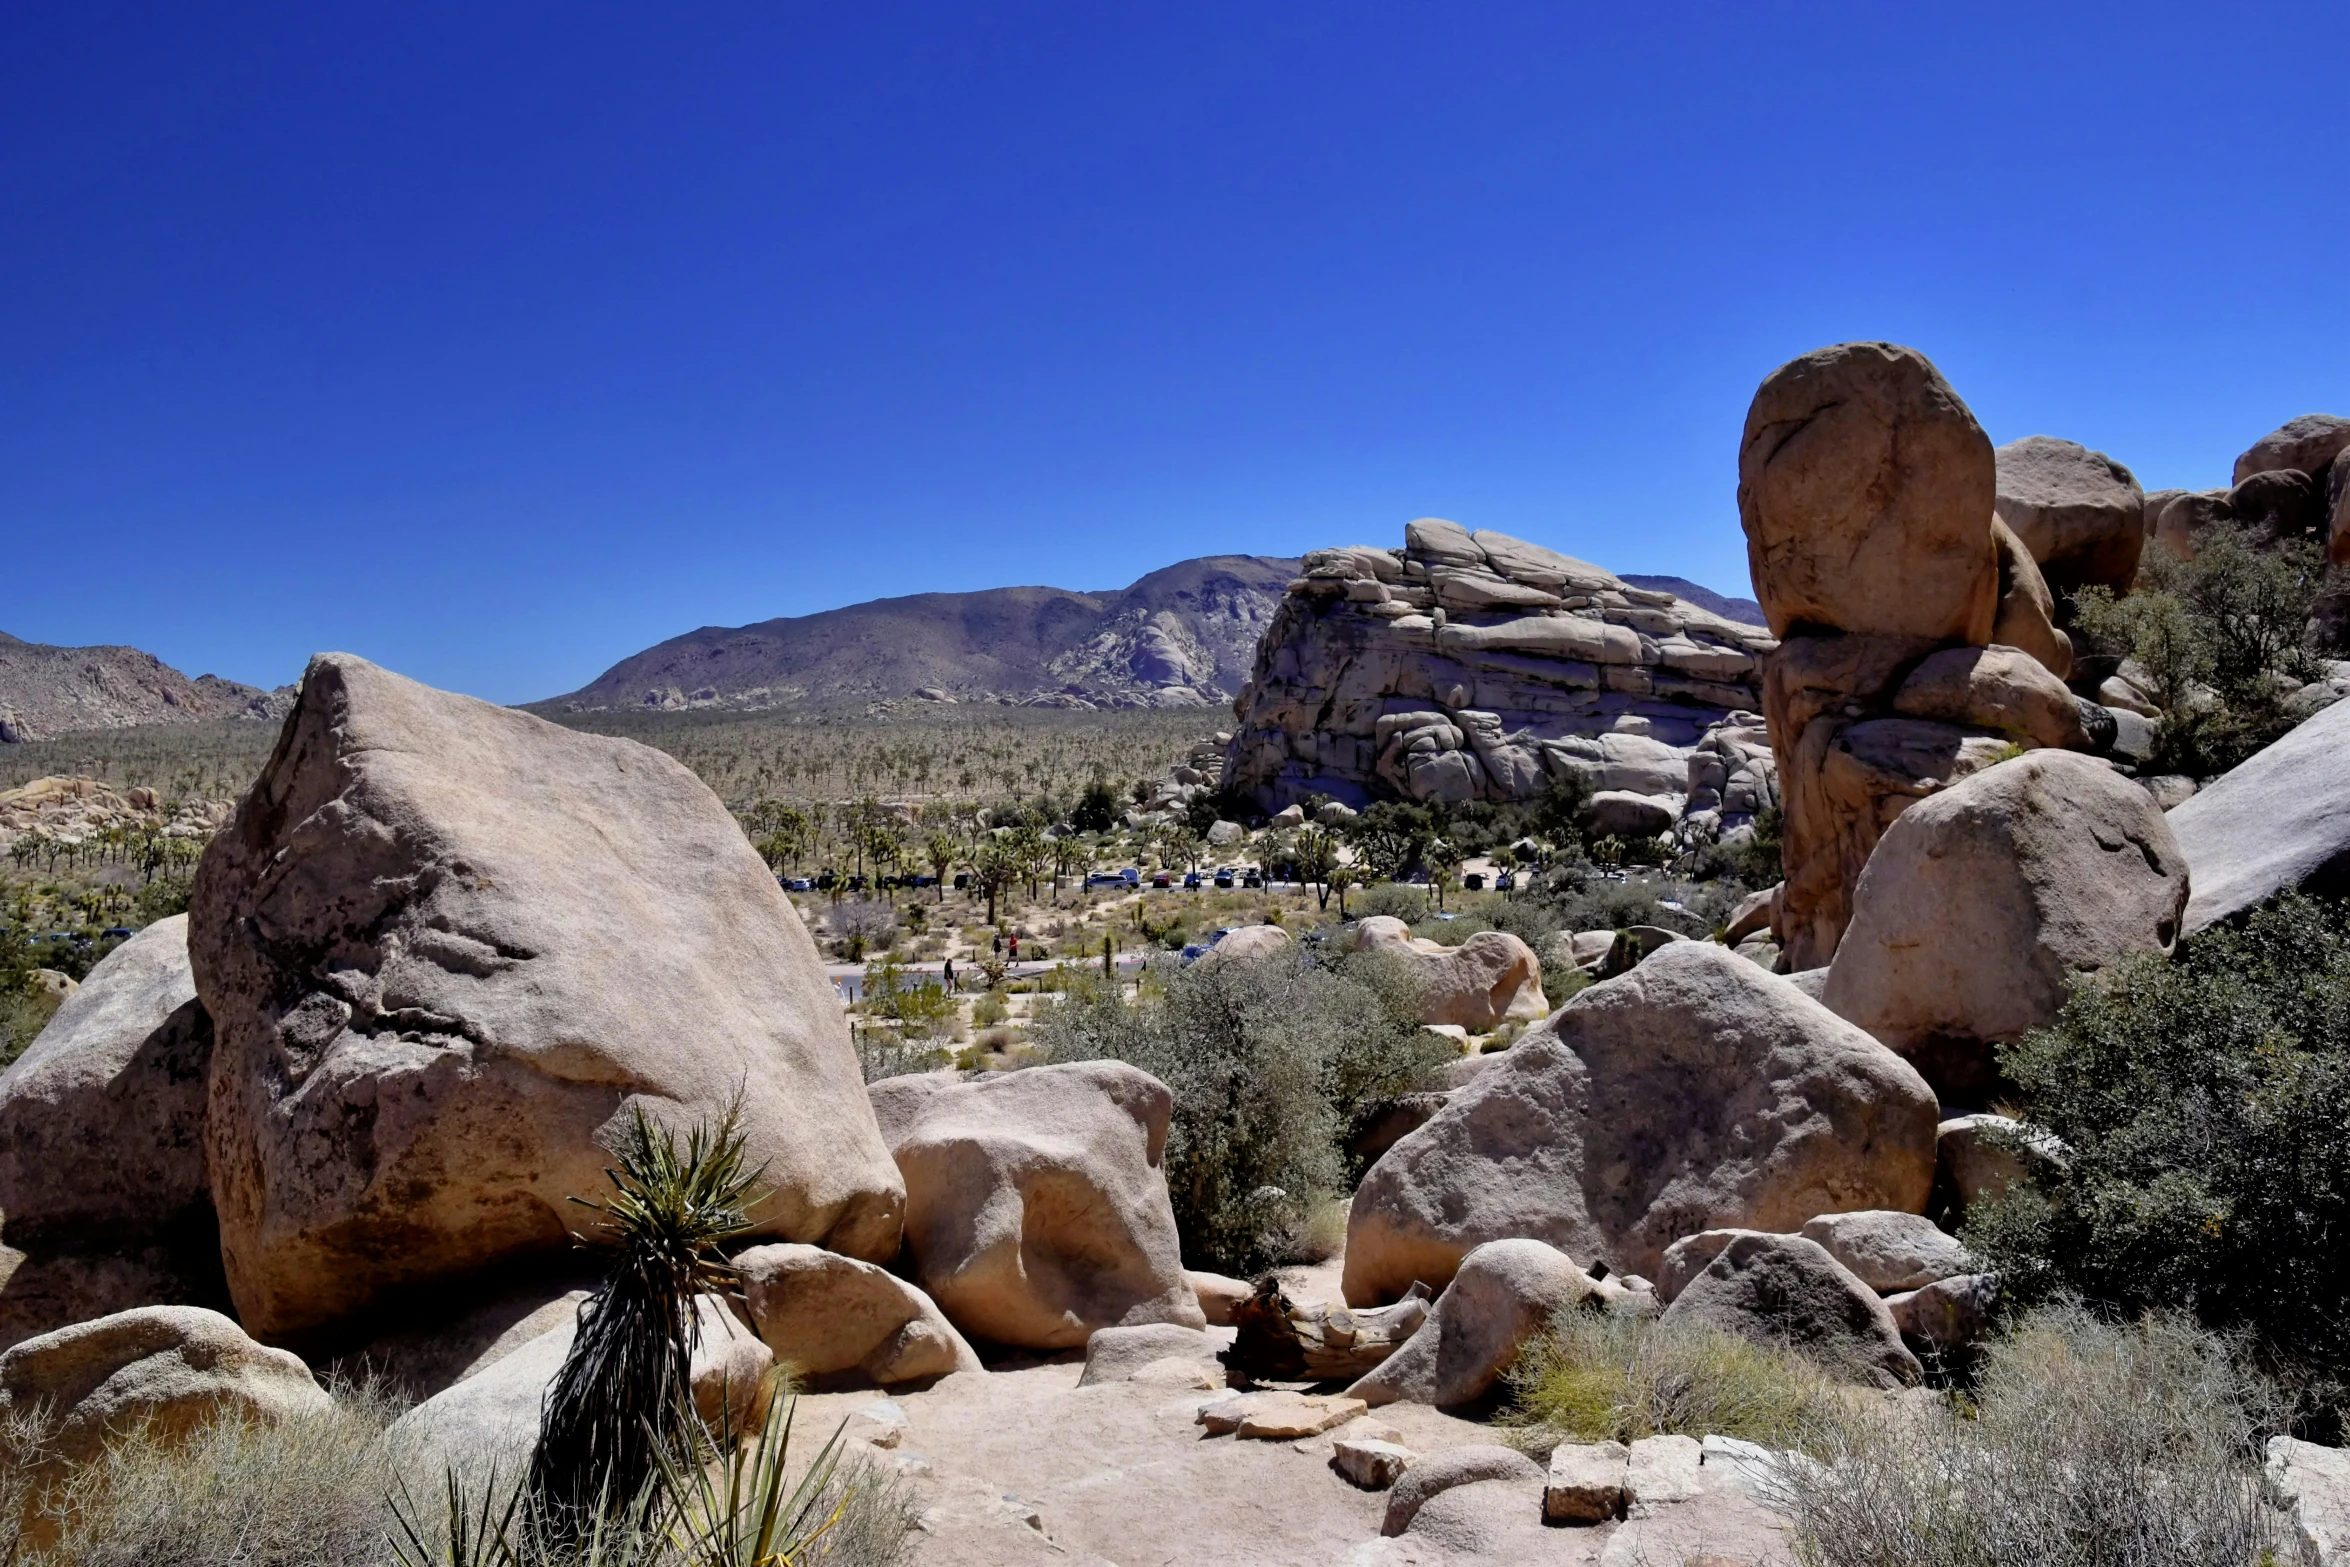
point(47, 691)
point(1479, 667)
point(1179, 637)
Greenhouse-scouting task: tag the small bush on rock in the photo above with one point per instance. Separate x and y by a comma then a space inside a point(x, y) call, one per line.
point(2086, 1444)
point(1269, 1061)
point(1606, 1376)
point(2201, 1100)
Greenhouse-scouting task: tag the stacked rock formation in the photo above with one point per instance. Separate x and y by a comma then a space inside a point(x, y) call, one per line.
point(1919, 644)
point(2289, 483)
point(1474, 666)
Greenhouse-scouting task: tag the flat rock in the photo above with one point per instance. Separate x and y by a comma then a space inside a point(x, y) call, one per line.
point(1371, 1464)
point(1587, 1483)
point(2314, 1484)
point(1660, 1471)
point(2277, 821)
point(1116, 1354)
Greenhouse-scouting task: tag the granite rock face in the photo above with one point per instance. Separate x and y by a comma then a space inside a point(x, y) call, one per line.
point(1868, 495)
point(1474, 666)
point(448, 950)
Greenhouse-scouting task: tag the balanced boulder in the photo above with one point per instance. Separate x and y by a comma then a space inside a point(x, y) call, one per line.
point(2279, 820)
point(1866, 489)
point(834, 1318)
point(168, 1369)
point(1786, 1292)
point(2080, 513)
point(1490, 979)
point(1695, 1092)
point(1986, 900)
point(448, 948)
point(1036, 1203)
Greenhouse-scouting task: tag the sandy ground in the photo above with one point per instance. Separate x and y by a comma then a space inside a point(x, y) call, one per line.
point(1021, 1465)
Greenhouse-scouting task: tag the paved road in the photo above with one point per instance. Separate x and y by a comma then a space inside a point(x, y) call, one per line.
point(849, 978)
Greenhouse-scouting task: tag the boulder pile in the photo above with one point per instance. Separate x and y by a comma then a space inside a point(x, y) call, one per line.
point(1919, 644)
point(1474, 666)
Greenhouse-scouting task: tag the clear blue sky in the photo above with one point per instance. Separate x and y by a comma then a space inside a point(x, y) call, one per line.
point(497, 342)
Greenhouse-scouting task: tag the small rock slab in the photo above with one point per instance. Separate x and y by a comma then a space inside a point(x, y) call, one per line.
point(1587, 1483)
point(1279, 1416)
point(1370, 1464)
point(1454, 1466)
point(1662, 1470)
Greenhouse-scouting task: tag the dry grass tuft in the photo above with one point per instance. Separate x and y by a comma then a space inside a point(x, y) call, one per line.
point(1599, 1376)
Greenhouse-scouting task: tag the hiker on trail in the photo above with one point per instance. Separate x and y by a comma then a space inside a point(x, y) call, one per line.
point(948, 979)
point(999, 944)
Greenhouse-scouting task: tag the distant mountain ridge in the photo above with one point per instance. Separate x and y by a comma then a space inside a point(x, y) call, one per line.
point(1745, 611)
point(1183, 636)
point(47, 691)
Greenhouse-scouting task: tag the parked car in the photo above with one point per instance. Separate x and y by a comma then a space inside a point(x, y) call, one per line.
point(962, 881)
point(1131, 876)
point(1505, 882)
point(1191, 880)
point(1224, 879)
point(1253, 879)
point(1474, 881)
point(1162, 878)
point(797, 884)
point(1093, 879)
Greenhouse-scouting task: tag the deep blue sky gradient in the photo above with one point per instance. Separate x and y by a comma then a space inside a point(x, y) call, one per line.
point(496, 342)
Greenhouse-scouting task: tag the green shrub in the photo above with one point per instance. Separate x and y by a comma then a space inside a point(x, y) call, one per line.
point(2217, 638)
point(2086, 1444)
point(1601, 1376)
point(2202, 1100)
point(1395, 899)
point(1269, 1061)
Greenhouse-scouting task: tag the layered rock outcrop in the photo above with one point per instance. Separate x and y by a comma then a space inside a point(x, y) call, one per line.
point(1474, 666)
point(1869, 497)
point(447, 949)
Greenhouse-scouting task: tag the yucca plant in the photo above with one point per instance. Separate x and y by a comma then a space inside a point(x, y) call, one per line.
point(477, 1532)
point(753, 1514)
point(623, 1400)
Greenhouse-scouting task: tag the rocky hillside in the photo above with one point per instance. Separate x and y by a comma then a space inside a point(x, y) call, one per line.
point(1745, 611)
point(47, 691)
point(1183, 636)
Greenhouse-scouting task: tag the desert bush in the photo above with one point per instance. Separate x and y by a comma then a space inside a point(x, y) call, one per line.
point(2218, 639)
point(1268, 1061)
point(2201, 1100)
point(304, 1492)
point(860, 924)
point(1395, 899)
point(1608, 1376)
point(2086, 1444)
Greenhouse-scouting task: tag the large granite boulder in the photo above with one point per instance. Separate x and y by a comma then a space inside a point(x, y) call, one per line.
point(1488, 980)
point(2307, 444)
point(2080, 513)
point(1695, 1092)
point(2279, 820)
point(1985, 901)
point(1036, 1203)
point(102, 1181)
point(1479, 667)
point(169, 1368)
point(1866, 489)
point(1889, 1252)
point(448, 948)
point(1786, 1292)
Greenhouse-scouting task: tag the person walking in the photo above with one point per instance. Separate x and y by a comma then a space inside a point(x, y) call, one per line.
point(948, 979)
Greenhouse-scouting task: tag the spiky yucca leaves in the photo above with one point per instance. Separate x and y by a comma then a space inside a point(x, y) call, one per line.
point(756, 1515)
point(625, 1392)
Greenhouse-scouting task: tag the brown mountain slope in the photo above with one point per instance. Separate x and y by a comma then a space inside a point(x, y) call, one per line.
point(47, 691)
point(1183, 636)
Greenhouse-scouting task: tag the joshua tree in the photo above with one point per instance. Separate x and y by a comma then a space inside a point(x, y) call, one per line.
point(625, 1391)
point(941, 851)
point(1315, 850)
